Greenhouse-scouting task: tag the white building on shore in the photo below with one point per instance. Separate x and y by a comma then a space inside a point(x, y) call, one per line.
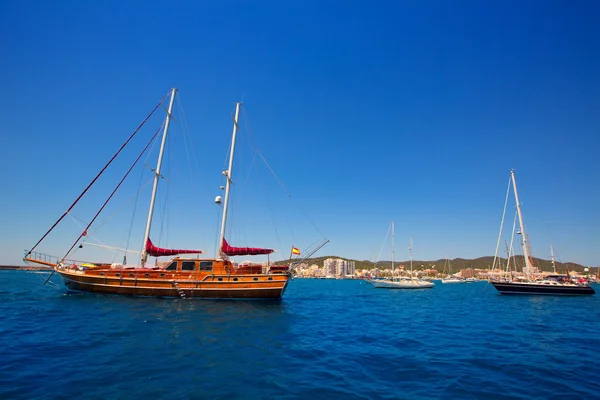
point(338, 267)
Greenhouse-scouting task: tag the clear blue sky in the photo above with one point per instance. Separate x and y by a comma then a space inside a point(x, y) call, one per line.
point(368, 111)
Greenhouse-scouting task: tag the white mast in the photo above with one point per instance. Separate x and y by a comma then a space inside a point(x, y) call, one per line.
point(392, 250)
point(228, 176)
point(144, 256)
point(507, 256)
point(411, 256)
point(528, 266)
point(553, 262)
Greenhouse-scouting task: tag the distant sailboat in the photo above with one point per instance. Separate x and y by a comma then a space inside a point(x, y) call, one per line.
point(528, 284)
point(402, 282)
point(450, 278)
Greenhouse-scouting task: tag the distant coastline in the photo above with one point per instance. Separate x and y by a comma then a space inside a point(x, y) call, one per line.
point(481, 263)
point(457, 264)
point(24, 268)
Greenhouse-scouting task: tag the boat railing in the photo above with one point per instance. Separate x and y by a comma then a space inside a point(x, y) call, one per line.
point(47, 259)
point(40, 258)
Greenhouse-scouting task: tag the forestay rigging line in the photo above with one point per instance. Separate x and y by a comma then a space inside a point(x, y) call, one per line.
point(289, 194)
point(165, 205)
point(189, 147)
point(383, 244)
point(126, 203)
point(511, 250)
point(271, 214)
point(97, 176)
point(501, 225)
point(81, 223)
point(140, 187)
point(114, 191)
point(278, 180)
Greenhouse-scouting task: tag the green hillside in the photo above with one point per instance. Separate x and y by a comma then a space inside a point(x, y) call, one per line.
point(456, 264)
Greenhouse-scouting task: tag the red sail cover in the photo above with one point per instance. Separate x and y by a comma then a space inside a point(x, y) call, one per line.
point(158, 252)
point(243, 251)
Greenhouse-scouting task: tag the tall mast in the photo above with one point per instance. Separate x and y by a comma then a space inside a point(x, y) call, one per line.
point(144, 256)
point(507, 256)
point(228, 176)
point(392, 249)
point(411, 255)
point(553, 262)
point(528, 265)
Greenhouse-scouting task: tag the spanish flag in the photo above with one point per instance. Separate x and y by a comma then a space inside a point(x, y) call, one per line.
point(295, 251)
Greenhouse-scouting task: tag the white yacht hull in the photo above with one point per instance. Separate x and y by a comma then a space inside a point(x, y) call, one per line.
point(454, 281)
point(405, 284)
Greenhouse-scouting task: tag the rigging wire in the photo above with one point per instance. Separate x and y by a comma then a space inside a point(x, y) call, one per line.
point(41, 276)
point(135, 206)
point(78, 221)
point(136, 196)
point(165, 207)
point(387, 234)
point(187, 140)
point(113, 192)
point(140, 188)
point(97, 176)
point(289, 194)
point(224, 178)
point(277, 178)
point(234, 200)
point(235, 196)
point(193, 164)
point(272, 214)
point(511, 249)
point(501, 225)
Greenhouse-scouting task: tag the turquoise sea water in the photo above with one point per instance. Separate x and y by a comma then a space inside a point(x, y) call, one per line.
point(327, 339)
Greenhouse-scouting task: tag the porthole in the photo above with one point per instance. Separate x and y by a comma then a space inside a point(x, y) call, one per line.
point(147, 275)
point(101, 273)
point(131, 275)
point(220, 279)
point(161, 275)
point(270, 278)
point(117, 274)
point(255, 279)
point(235, 279)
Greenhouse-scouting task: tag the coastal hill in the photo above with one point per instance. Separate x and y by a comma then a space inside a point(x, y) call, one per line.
point(457, 264)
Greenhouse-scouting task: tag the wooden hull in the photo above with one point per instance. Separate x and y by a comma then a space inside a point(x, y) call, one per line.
point(542, 289)
point(262, 286)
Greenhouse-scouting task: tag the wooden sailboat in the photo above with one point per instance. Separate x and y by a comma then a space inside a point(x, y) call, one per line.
point(528, 284)
point(402, 282)
point(180, 277)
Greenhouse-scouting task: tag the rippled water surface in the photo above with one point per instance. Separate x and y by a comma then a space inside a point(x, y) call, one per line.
point(327, 339)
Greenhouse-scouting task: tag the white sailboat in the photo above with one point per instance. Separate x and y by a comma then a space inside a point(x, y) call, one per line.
point(451, 278)
point(402, 282)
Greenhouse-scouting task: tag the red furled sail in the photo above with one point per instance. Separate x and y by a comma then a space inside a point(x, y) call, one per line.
point(243, 251)
point(154, 251)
